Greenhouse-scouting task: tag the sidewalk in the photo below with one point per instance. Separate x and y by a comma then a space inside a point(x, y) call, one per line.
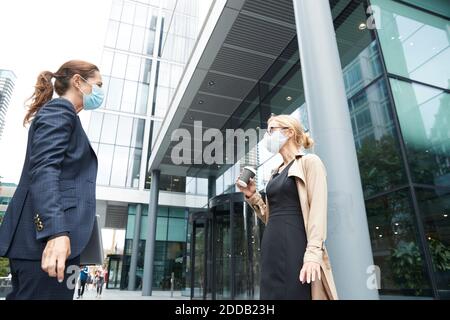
point(115, 294)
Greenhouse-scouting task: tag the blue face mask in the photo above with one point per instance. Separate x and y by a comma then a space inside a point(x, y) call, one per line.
point(93, 100)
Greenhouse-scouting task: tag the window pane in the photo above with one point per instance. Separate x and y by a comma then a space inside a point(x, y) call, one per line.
point(161, 228)
point(111, 35)
point(145, 71)
point(395, 245)
point(116, 9)
point(105, 156)
point(162, 101)
point(109, 128)
point(415, 44)
point(134, 167)
point(137, 40)
point(202, 186)
point(95, 126)
point(114, 97)
point(141, 15)
point(142, 98)
point(119, 168)
point(137, 138)
point(124, 131)
point(133, 68)
point(177, 230)
point(124, 36)
point(156, 127)
point(119, 65)
point(149, 43)
point(129, 96)
point(191, 185)
point(175, 212)
point(128, 12)
point(107, 60)
point(424, 115)
point(435, 212)
point(105, 87)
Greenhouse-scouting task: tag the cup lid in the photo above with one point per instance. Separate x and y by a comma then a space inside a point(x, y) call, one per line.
point(251, 169)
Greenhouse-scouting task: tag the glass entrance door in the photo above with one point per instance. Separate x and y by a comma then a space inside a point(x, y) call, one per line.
point(198, 267)
point(114, 272)
point(222, 286)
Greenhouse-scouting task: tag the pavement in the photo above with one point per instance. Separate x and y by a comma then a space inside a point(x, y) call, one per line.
point(115, 294)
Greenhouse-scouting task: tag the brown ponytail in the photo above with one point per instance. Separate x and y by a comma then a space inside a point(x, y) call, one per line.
point(43, 92)
point(44, 87)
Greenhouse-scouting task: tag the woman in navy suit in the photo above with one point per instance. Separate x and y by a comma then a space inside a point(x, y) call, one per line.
point(51, 216)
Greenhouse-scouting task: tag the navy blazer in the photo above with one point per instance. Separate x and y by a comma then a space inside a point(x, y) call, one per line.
point(56, 191)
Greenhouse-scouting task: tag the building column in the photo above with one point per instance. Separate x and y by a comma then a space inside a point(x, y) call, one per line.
point(211, 187)
point(348, 239)
point(147, 281)
point(135, 248)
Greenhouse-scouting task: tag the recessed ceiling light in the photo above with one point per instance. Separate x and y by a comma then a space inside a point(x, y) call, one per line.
point(445, 215)
point(288, 98)
point(211, 83)
point(201, 102)
point(362, 26)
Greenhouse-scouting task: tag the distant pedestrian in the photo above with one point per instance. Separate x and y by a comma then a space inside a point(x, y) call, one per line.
point(84, 273)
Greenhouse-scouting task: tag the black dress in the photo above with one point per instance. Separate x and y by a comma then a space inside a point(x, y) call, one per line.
point(284, 242)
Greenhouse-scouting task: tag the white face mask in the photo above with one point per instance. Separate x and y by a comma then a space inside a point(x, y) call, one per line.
point(274, 142)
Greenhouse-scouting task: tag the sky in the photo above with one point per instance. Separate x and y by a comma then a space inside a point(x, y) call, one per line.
point(37, 36)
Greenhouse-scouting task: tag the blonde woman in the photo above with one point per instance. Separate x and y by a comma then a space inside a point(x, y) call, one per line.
point(294, 261)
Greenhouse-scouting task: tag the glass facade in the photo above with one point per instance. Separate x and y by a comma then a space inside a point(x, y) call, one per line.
point(398, 99)
point(146, 47)
point(170, 247)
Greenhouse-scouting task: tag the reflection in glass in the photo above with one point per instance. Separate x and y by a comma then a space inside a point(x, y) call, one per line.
point(377, 147)
point(415, 44)
point(434, 207)
point(424, 115)
point(395, 245)
point(137, 136)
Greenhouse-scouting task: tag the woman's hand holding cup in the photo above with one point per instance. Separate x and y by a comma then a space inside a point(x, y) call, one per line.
point(246, 183)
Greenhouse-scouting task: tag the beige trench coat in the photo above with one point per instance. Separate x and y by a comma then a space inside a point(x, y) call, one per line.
point(310, 176)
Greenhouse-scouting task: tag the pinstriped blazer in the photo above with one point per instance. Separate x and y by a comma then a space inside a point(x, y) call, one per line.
point(56, 191)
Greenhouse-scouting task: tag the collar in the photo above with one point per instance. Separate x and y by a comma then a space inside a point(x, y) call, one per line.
point(294, 170)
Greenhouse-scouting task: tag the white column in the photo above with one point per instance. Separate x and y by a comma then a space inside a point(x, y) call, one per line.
point(348, 239)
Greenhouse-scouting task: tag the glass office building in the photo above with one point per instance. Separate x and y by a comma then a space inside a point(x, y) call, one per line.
point(146, 47)
point(396, 75)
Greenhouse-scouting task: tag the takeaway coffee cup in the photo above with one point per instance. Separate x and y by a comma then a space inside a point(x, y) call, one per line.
point(246, 174)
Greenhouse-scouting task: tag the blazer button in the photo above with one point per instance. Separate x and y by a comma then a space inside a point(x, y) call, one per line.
point(40, 227)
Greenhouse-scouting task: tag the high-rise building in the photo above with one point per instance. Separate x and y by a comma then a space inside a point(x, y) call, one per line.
point(146, 49)
point(7, 79)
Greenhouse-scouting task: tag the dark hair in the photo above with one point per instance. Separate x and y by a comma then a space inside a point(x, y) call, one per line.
point(44, 87)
